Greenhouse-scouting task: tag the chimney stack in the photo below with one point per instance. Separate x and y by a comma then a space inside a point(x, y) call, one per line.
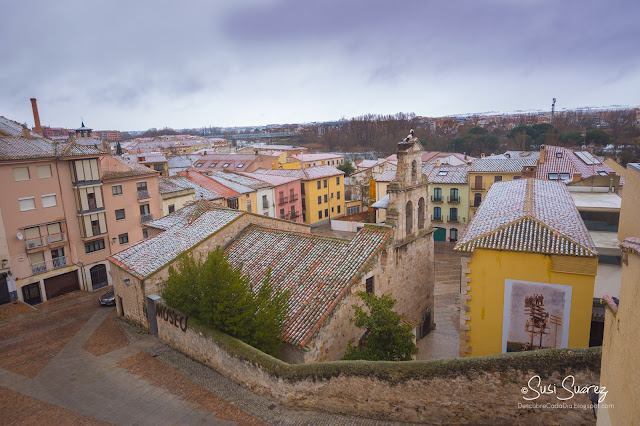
point(26, 133)
point(542, 152)
point(36, 116)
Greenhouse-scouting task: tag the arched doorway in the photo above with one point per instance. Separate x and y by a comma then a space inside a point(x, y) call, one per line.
point(409, 222)
point(421, 213)
point(453, 235)
point(98, 276)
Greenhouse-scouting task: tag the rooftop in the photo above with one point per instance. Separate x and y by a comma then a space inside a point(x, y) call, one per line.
point(210, 184)
point(308, 173)
point(180, 183)
point(241, 179)
point(234, 162)
point(184, 229)
point(528, 215)
point(317, 270)
point(315, 157)
point(596, 200)
point(231, 181)
point(508, 165)
point(21, 148)
point(448, 174)
point(562, 160)
point(114, 167)
point(631, 244)
point(273, 180)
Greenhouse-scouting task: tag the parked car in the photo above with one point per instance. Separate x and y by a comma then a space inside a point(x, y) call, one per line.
point(108, 299)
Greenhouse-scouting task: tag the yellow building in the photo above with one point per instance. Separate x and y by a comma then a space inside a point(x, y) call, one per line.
point(530, 277)
point(484, 172)
point(322, 192)
point(155, 161)
point(629, 226)
point(318, 159)
point(449, 193)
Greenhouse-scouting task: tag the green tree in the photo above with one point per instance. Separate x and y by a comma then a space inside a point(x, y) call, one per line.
point(347, 167)
point(118, 149)
point(220, 296)
point(386, 338)
point(598, 137)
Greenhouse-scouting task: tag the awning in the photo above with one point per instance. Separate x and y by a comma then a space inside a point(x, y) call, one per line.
point(381, 203)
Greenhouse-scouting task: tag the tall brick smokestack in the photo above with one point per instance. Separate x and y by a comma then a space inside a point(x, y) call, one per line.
point(36, 116)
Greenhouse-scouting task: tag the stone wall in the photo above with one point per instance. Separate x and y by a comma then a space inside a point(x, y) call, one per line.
point(480, 390)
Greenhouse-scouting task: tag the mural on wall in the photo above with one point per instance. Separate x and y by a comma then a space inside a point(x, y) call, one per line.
point(536, 316)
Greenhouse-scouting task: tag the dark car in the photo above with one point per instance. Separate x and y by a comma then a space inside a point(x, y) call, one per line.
point(108, 299)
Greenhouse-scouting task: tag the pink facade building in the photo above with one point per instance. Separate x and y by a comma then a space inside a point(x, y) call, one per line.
point(287, 192)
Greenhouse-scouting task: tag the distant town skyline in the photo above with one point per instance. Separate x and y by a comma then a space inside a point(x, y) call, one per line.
point(134, 66)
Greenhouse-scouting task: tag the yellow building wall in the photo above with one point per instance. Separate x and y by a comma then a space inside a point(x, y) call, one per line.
point(242, 202)
point(290, 166)
point(335, 206)
point(488, 179)
point(629, 225)
point(445, 205)
point(488, 271)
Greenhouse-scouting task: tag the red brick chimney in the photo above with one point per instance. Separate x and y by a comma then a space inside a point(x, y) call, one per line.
point(36, 116)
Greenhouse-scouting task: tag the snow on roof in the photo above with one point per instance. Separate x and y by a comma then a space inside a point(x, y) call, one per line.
point(631, 244)
point(528, 215)
point(274, 180)
point(448, 174)
point(241, 179)
point(21, 148)
point(232, 162)
point(210, 184)
point(308, 173)
point(382, 203)
point(229, 180)
point(596, 200)
point(387, 176)
point(368, 163)
point(184, 229)
point(562, 160)
point(317, 270)
point(508, 165)
point(115, 167)
point(315, 157)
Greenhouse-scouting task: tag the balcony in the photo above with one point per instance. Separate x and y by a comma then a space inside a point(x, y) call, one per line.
point(294, 197)
point(453, 219)
point(38, 268)
point(453, 200)
point(283, 200)
point(34, 243)
point(144, 218)
point(437, 219)
point(436, 199)
point(477, 187)
point(59, 262)
point(60, 237)
point(143, 195)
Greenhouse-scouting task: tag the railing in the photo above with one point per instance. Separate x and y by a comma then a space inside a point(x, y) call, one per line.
point(283, 200)
point(265, 205)
point(56, 238)
point(437, 219)
point(38, 268)
point(436, 199)
point(143, 195)
point(59, 262)
point(146, 217)
point(452, 219)
point(35, 242)
point(294, 197)
point(453, 200)
point(476, 187)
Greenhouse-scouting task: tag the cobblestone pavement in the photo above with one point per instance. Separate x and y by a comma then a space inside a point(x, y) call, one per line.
point(75, 383)
point(443, 342)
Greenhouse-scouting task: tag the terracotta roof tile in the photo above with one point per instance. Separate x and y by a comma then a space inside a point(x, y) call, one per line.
point(562, 160)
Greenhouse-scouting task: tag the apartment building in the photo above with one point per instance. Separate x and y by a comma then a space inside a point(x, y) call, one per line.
point(155, 161)
point(109, 135)
point(235, 196)
point(59, 224)
point(233, 163)
point(314, 160)
point(265, 203)
point(322, 190)
point(449, 193)
point(287, 195)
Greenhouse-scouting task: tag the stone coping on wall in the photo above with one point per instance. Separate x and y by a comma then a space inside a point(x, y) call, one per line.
point(544, 362)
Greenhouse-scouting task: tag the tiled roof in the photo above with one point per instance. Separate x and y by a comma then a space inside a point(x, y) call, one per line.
point(147, 256)
point(229, 180)
point(368, 163)
point(454, 174)
point(387, 176)
point(236, 162)
point(528, 215)
point(274, 180)
point(10, 127)
point(315, 157)
point(241, 179)
point(183, 216)
point(509, 165)
point(317, 270)
point(631, 244)
point(179, 183)
point(516, 154)
point(156, 158)
point(210, 184)
point(21, 148)
point(308, 173)
point(118, 167)
point(570, 163)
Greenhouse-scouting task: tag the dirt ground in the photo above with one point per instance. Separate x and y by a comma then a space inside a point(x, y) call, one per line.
point(28, 345)
point(30, 411)
point(108, 337)
point(13, 309)
point(158, 374)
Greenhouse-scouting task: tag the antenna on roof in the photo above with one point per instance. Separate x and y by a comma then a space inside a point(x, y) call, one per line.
point(553, 110)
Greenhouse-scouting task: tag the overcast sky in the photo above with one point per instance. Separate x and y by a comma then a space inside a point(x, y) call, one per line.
point(132, 65)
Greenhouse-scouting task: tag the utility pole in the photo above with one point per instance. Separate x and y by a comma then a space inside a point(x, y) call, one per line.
point(553, 110)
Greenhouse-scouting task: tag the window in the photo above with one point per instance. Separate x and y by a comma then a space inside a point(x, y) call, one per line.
point(226, 165)
point(421, 213)
point(355, 209)
point(437, 194)
point(369, 285)
point(281, 213)
point(414, 170)
point(91, 199)
point(49, 200)
point(338, 209)
point(27, 203)
point(123, 238)
point(437, 213)
point(142, 185)
point(326, 212)
point(319, 185)
point(338, 180)
point(409, 217)
point(332, 209)
point(21, 173)
point(212, 165)
point(564, 176)
point(454, 195)
point(453, 235)
point(43, 171)
point(144, 209)
point(477, 199)
point(320, 214)
point(120, 214)
point(324, 183)
point(326, 198)
point(55, 232)
point(172, 208)
point(116, 189)
point(199, 164)
point(559, 154)
point(248, 205)
point(145, 233)
point(603, 173)
point(319, 199)
point(497, 179)
point(553, 176)
point(338, 195)
point(95, 245)
point(265, 202)
point(233, 203)
point(517, 177)
point(453, 214)
point(443, 172)
point(95, 227)
point(239, 166)
point(302, 189)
